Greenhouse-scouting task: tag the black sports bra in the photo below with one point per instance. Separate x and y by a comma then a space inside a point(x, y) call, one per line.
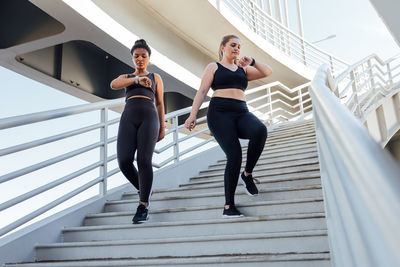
point(138, 89)
point(224, 78)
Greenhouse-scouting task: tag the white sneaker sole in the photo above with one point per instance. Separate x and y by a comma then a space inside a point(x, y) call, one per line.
point(244, 186)
point(232, 216)
point(142, 221)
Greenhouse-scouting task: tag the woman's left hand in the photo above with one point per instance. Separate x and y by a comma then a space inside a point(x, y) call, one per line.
point(244, 61)
point(161, 134)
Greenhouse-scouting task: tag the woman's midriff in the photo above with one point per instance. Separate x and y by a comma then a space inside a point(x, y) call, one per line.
point(140, 96)
point(230, 93)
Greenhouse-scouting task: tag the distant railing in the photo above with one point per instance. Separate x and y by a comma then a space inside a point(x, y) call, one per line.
point(273, 102)
point(364, 83)
point(360, 180)
point(283, 38)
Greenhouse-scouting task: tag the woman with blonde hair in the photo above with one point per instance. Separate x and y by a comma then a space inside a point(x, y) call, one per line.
point(228, 117)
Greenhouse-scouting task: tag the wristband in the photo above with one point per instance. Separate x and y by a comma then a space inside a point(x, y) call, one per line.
point(253, 62)
point(137, 79)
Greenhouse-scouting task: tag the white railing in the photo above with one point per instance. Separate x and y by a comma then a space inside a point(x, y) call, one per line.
point(282, 103)
point(273, 102)
point(283, 38)
point(366, 82)
point(361, 184)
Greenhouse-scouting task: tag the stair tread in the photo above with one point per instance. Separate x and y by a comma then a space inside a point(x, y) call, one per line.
point(208, 207)
point(189, 239)
point(200, 259)
point(189, 186)
point(307, 215)
point(213, 194)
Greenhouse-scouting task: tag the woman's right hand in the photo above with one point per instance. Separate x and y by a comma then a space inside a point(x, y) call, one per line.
point(190, 123)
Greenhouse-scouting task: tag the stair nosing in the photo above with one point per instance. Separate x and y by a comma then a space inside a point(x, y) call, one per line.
point(283, 234)
point(272, 217)
point(217, 194)
point(209, 207)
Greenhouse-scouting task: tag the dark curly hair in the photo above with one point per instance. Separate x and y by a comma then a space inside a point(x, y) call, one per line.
point(141, 43)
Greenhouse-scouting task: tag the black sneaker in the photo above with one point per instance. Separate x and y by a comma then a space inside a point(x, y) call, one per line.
point(142, 214)
point(249, 186)
point(232, 212)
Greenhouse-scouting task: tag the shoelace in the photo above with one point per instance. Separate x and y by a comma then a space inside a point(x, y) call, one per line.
point(256, 180)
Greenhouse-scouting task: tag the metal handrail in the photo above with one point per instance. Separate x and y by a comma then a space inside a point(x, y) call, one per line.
point(275, 113)
point(282, 37)
point(360, 183)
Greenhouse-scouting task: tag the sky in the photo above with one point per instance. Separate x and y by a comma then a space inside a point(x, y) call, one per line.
point(358, 28)
point(359, 33)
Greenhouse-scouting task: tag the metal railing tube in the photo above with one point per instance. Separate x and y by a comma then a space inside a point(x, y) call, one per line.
point(46, 163)
point(58, 113)
point(49, 206)
point(362, 200)
point(48, 186)
point(49, 139)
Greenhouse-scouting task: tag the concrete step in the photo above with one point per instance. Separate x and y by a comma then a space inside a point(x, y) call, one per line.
point(297, 130)
point(296, 144)
point(290, 143)
point(279, 138)
point(310, 241)
point(262, 259)
point(265, 170)
point(289, 151)
point(263, 178)
point(290, 131)
point(268, 160)
point(245, 225)
point(275, 135)
point(289, 138)
point(287, 142)
point(210, 211)
point(292, 125)
point(265, 194)
point(217, 186)
point(265, 164)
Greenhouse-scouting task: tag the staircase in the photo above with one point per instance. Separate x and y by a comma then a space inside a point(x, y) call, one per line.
point(283, 226)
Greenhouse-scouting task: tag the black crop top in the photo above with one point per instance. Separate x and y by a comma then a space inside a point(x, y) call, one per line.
point(138, 89)
point(224, 78)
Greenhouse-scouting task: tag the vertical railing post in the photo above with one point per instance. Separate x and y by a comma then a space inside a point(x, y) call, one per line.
point(303, 51)
point(355, 92)
point(331, 63)
point(371, 75)
point(389, 71)
point(270, 103)
point(242, 11)
point(176, 138)
point(301, 101)
point(103, 151)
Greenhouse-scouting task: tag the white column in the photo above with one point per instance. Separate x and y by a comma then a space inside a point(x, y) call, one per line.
point(299, 18)
point(285, 11)
point(269, 7)
point(278, 14)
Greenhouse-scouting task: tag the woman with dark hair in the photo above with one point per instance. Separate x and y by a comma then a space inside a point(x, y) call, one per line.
point(228, 117)
point(141, 125)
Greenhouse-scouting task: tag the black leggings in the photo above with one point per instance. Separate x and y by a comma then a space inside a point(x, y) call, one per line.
point(228, 120)
point(138, 130)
